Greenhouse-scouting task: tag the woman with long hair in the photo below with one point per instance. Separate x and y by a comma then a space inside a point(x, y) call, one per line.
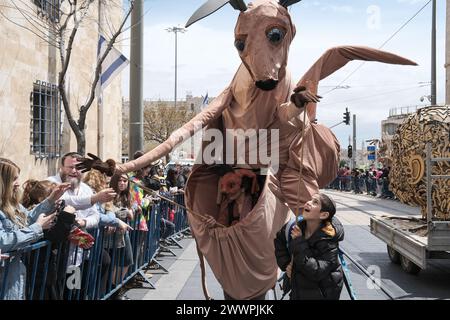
point(114, 235)
point(19, 227)
point(97, 181)
point(122, 188)
point(122, 201)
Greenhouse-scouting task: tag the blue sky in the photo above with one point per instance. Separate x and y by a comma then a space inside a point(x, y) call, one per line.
point(207, 59)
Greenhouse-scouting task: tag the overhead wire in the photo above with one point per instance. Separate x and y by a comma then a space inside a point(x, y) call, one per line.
point(380, 47)
point(374, 95)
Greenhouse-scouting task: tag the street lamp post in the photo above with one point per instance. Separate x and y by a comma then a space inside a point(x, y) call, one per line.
point(176, 30)
point(433, 57)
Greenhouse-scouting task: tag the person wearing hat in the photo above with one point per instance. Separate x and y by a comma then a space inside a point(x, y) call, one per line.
point(152, 180)
point(309, 252)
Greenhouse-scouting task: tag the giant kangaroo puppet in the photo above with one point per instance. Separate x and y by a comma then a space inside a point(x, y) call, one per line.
point(260, 96)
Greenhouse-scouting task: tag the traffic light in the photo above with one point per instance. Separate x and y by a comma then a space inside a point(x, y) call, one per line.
point(347, 117)
point(350, 151)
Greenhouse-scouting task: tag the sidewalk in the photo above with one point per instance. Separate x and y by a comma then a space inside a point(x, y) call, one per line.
point(183, 282)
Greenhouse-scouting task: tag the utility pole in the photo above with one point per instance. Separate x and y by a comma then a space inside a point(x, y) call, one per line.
point(354, 143)
point(433, 56)
point(447, 55)
point(176, 30)
point(100, 114)
point(136, 131)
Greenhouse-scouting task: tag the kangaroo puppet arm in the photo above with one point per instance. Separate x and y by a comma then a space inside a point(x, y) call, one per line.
point(335, 58)
point(178, 136)
point(182, 134)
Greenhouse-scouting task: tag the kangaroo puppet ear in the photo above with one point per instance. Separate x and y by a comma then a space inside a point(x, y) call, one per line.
point(287, 3)
point(212, 6)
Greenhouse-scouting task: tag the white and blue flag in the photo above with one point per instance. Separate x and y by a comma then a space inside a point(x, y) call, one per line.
point(113, 64)
point(205, 101)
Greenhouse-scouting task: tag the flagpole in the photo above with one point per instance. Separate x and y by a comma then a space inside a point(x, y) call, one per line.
point(433, 57)
point(100, 134)
point(100, 116)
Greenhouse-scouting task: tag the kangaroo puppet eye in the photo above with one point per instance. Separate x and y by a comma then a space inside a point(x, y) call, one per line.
point(239, 44)
point(275, 35)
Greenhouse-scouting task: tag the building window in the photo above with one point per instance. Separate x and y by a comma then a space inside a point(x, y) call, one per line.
point(390, 128)
point(45, 120)
point(49, 9)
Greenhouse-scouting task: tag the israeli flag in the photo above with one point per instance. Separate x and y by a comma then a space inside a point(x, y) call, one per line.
point(113, 64)
point(205, 101)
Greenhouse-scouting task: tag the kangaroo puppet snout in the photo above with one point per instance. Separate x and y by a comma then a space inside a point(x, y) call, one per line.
point(267, 85)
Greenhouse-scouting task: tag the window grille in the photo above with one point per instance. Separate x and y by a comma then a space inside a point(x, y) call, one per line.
point(45, 120)
point(49, 9)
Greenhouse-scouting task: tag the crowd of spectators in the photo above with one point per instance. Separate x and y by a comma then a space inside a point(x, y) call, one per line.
point(373, 181)
point(69, 209)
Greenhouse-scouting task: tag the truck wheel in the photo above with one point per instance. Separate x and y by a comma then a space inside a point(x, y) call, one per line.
point(393, 255)
point(408, 266)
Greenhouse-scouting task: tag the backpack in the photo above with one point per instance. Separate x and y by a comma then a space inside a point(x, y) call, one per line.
point(289, 226)
point(64, 222)
point(285, 282)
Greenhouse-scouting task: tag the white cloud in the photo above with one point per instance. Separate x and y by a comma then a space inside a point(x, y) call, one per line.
point(344, 9)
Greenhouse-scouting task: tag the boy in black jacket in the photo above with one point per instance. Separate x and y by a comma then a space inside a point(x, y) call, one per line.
point(310, 257)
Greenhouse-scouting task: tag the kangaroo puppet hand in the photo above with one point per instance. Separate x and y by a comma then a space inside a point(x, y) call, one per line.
point(302, 96)
point(86, 164)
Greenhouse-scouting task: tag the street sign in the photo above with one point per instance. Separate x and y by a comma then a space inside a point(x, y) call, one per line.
point(371, 153)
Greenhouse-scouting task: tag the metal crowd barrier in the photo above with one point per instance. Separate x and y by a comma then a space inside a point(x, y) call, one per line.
point(53, 274)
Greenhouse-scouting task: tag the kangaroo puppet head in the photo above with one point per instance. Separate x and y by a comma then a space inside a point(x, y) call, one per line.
point(263, 26)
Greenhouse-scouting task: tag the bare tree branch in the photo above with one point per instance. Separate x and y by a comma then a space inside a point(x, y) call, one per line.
point(61, 32)
point(160, 131)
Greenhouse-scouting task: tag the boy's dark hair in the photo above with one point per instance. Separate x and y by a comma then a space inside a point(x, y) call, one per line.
point(71, 155)
point(327, 205)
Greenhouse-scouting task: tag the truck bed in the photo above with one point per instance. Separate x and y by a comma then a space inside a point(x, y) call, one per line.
point(413, 226)
point(407, 235)
point(413, 238)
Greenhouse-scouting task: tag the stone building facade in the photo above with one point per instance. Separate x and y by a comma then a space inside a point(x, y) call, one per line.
point(34, 131)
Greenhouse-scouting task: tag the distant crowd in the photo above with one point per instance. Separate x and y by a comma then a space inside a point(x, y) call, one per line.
point(374, 182)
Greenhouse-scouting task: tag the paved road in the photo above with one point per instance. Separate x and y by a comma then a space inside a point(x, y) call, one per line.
point(354, 211)
point(183, 280)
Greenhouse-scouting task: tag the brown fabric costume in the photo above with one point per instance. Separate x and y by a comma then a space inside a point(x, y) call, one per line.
point(242, 256)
